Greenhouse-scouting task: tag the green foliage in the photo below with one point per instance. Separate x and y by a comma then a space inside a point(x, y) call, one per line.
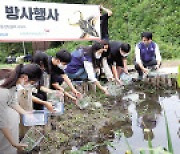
point(132, 17)
point(170, 146)
point(68, 46)
point(129, 19)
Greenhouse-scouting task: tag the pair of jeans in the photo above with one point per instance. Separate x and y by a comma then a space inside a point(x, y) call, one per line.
point(80, 74)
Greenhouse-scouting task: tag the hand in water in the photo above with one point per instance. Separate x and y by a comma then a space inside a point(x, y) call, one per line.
point(119, 81)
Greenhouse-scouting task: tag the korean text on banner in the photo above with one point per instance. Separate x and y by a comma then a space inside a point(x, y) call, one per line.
point(39, 21)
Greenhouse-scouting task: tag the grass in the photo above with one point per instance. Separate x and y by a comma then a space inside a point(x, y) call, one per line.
point(10, 66)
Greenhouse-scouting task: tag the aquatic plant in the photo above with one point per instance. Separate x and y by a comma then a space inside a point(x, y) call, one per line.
point(170, 146)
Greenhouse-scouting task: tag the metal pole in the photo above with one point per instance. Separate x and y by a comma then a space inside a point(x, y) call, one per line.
point(24, 48)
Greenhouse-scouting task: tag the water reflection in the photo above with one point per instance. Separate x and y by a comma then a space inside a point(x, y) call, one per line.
point(147, 112)
point(132, 114)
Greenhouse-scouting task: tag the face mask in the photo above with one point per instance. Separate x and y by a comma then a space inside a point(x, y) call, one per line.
point(29, 86)
point(98, 55)
point(124, 54)
point(62, 66)
point(19, 87)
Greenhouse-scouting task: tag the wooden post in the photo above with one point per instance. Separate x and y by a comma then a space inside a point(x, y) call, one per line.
point(92, 86)
point(85, 87)
point(158, 81)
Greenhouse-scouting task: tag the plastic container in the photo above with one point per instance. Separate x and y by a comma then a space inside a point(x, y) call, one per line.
point(36, 118)
point(46, 78)
point(32, 138)
point(59, 108)
point(57, 100)
point(125, 78)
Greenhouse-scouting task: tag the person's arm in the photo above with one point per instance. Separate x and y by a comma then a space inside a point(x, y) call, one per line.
point(47, 104)
point(46, 90)
point(91, 76)
point(58, 87)
point(108, 11)
point(107, 69)
point(18, 108)
point(125, 65)
point(88, 66)
point(69, 83)
point(104, 89)
point(115, 73)
point(158, 56)
point(8, 135)
point(138, 59)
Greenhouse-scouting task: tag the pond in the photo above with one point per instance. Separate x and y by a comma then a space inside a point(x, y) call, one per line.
point(128, 118)
point(147, 111)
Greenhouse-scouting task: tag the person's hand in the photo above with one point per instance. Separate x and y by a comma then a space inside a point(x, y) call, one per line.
point(157, 67)
point(126, 70)
point(145, 70)
point(20, 146)
point(111, 79)
point(49, 106)
point(105, 90)
point(78, 94)
point(119, 81)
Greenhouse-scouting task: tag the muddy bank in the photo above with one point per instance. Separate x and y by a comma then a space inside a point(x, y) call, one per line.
point(94, 128)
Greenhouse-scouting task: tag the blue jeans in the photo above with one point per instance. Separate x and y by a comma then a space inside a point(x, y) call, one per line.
point(80, 74)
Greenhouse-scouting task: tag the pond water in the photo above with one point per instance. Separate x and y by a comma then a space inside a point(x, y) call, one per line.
point(147, 111)
point(99, 131)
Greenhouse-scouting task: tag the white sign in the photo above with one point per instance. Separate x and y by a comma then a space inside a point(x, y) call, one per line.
point(38, 21)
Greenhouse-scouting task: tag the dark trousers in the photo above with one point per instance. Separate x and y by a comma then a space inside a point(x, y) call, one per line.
point(146, 65)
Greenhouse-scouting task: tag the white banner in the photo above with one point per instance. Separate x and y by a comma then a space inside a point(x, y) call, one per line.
point(38, 21)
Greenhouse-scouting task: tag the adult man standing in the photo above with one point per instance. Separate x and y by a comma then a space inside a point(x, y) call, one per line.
point(147, 54)
point(104, 22)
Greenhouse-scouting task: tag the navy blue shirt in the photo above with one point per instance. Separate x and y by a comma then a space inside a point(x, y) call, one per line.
point(77, 61)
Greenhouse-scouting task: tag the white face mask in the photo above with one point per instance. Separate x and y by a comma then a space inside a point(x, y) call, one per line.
point(19, 87)
point(21, 84)
point(124, 54)
point(98, 55)
point(62, 66)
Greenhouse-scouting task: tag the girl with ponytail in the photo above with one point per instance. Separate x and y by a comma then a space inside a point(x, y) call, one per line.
point(9, 107)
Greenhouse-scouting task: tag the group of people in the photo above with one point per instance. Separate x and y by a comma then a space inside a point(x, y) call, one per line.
point(84, 63)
